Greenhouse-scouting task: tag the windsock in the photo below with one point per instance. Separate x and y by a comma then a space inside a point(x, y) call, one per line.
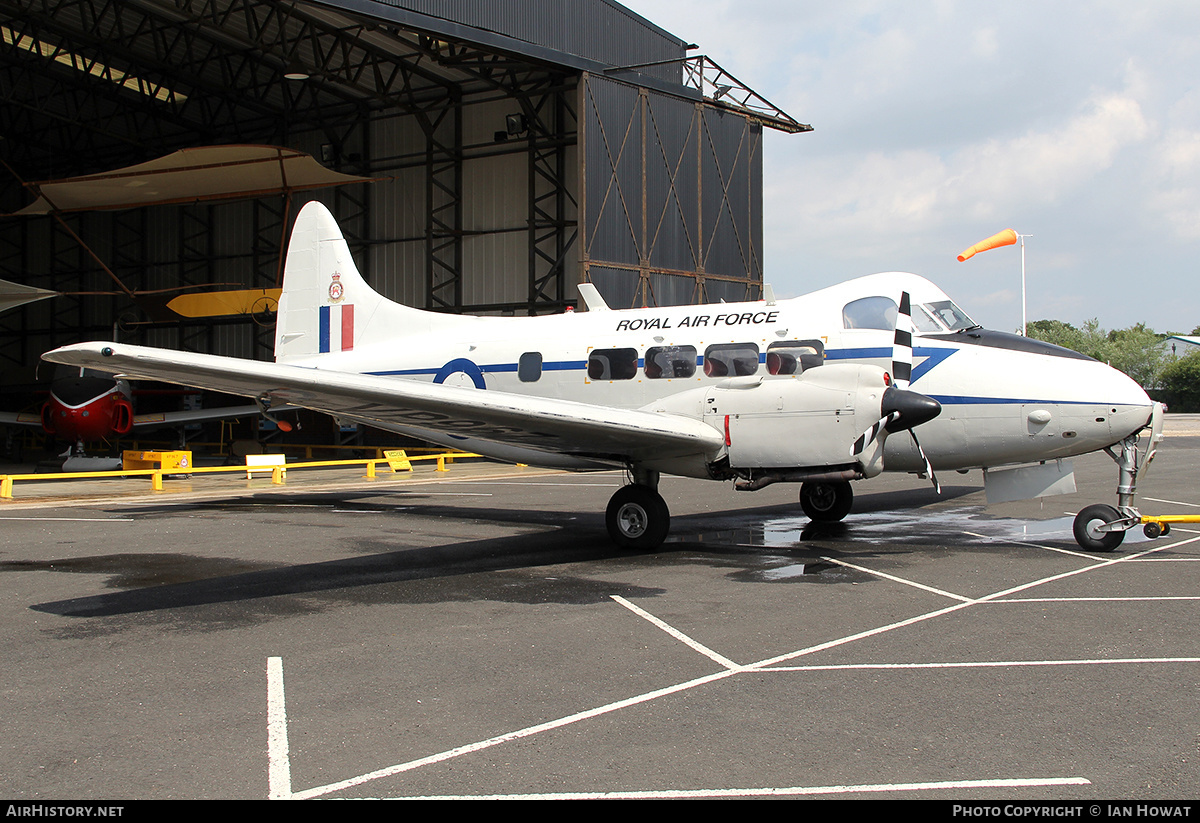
point(1004, 238)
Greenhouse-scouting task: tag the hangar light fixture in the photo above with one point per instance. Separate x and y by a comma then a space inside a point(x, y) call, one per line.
point(296, 71)
point(90, 66)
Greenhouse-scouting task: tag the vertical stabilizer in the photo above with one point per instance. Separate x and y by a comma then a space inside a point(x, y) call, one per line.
point(326, 307)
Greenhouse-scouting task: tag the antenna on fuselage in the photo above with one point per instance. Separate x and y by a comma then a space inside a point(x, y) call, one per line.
point(591, 297)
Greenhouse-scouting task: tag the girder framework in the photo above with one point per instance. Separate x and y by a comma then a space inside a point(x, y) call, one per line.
point(647, 181)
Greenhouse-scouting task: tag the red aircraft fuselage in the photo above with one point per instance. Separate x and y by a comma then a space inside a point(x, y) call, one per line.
point(87, 408)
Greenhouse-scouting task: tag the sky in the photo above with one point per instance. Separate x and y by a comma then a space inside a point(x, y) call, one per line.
point(940, 123)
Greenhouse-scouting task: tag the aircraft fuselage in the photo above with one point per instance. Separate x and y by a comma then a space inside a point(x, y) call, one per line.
point(1005, 399)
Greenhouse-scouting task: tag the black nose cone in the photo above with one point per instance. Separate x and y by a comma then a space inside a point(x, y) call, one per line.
point(914, 408)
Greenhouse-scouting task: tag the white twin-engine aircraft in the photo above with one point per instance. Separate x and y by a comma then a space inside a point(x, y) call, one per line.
point(772, 391)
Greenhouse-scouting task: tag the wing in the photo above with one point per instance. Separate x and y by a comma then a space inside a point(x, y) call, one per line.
point(543, 424)
point(180, 418)
point(21, 419)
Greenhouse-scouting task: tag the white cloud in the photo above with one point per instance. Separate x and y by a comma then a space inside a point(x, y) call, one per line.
point(913, 190)
point(941, 123)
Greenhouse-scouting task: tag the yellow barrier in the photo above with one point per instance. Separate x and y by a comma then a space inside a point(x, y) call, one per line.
point(7, 481)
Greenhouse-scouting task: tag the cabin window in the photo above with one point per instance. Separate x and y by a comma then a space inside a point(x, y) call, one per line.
point(529, 367)
point(794, 356)
point(731, 360)
point(665, 362)
point(870, 313)
point(612, 364)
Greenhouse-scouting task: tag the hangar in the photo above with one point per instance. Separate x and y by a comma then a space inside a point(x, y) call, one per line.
point(512, 150)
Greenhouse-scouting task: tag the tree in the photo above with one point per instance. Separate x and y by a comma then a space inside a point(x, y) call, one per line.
point(1180, 381)
point(1137, 350)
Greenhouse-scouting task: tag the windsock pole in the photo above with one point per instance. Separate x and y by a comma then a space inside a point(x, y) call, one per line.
point(1024, 322)
point(1004, 238)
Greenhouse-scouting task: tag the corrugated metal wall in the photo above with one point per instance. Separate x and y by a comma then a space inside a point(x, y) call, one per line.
point(672, 196)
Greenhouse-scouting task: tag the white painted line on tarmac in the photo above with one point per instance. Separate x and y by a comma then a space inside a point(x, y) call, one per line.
point(720, 660)
point(1059, 549)
point(832, 644)
point(74, 519)
point(505, 738)
point(280, 768)
point(279, 764)
point(793, 791)
point(984, 664)
point(895, 579)
point(1172, 502)
point(1094, 599)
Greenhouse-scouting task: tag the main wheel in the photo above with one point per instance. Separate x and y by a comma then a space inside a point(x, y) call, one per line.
point(826, 502)
point(1087, 524)
point(637, 518)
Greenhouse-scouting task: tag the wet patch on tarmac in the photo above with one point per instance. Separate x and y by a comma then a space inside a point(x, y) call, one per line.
point(130, 571)
point(210, 592)
point(966, 527)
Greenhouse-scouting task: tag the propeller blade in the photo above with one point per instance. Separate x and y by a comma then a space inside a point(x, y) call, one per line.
point(902, 353)
point(872, 434)
point(928, 466)
point(902, 409)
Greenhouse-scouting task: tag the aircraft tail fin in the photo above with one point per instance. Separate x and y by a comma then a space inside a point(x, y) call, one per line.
point(326, 306)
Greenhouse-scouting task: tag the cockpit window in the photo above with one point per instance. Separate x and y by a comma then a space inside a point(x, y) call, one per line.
point(794, 356)
point(950, 315)
point(922, 322)
point(870, 313)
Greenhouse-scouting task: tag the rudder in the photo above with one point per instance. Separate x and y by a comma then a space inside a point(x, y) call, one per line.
point(326, 306)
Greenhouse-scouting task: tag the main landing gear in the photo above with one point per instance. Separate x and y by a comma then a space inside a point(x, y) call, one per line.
point(826, 502)
point(637, 517)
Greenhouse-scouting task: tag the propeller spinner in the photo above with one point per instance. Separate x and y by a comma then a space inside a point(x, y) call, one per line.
point(902, 409)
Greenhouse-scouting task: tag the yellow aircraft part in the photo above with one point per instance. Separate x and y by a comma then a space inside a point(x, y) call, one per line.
point(1003, 238)
point(218, 303)
point(1171, 518)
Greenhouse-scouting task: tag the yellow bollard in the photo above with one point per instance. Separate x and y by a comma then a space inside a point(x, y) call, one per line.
point(156, 481)
point(370, 469)
point(277, 476)
point(441, 463)
point(6, 484)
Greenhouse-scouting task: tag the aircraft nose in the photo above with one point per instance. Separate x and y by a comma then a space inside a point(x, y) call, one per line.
point(1130, 406)
point(914, 408)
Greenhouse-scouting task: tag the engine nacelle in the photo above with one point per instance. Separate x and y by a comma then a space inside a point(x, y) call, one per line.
point(800, 423)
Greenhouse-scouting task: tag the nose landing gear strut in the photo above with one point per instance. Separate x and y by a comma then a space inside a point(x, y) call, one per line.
point(1101, 528)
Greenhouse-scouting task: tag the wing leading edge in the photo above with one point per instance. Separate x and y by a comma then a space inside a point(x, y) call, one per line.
point(553, 426)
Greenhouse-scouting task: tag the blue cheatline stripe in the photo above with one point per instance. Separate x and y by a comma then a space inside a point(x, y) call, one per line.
point(967, 400)
point(564, 365)
point(323, 334)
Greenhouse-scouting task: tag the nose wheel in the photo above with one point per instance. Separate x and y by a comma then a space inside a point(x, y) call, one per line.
point(1094, 529)
point(1101, 528)
point(637, 518)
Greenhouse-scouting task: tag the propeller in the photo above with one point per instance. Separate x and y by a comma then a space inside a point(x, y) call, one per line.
point(902, 409)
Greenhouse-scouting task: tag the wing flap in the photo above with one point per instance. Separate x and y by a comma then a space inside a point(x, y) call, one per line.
point(544, 424)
